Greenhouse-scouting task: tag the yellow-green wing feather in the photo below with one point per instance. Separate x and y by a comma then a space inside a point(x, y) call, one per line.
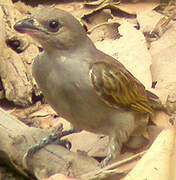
point(119, 88)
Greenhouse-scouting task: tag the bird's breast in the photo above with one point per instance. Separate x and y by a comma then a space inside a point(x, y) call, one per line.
point(66, 85)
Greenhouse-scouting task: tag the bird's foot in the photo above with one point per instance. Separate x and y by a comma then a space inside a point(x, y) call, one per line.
point(53, 137)
point(113, 151)
point(106, 161)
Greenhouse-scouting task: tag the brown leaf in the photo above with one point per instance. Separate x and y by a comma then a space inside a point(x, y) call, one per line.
point(158, 162)
point(59, 177)
point(134, 8)
point(95, 145)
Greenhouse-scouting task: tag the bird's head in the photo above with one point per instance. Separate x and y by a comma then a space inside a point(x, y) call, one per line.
point(53, 28)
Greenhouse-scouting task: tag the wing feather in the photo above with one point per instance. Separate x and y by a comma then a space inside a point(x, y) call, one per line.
point(118, 88)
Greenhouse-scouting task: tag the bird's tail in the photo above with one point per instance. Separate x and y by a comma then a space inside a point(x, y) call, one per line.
point(155, 102)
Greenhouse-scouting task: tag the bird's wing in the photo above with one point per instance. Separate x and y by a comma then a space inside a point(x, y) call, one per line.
point(118, 88)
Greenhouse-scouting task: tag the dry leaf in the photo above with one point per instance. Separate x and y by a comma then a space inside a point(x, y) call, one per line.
point(163, 62)
point(134, 8)
point(59, 177)
point(159, 162)
point(95, 145)
point(148, 20)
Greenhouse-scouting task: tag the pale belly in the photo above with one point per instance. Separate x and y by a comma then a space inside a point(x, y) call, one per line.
point(80, 106)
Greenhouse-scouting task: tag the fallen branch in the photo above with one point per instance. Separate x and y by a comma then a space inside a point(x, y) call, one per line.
point(16, 138)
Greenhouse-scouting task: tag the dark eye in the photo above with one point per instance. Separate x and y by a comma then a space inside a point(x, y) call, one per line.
point(54, 25)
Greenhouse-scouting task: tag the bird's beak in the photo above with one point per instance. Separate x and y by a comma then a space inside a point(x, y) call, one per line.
point(27, 25)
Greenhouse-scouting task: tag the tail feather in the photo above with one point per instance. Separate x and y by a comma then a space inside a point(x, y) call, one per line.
point(154, 101)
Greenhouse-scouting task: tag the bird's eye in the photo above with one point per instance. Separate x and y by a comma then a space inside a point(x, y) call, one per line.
point(54, 25)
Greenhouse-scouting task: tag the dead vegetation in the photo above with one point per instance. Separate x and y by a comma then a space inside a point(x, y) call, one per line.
point(142, 35)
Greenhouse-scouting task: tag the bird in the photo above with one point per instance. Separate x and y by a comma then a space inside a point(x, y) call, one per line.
point(90, 89)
